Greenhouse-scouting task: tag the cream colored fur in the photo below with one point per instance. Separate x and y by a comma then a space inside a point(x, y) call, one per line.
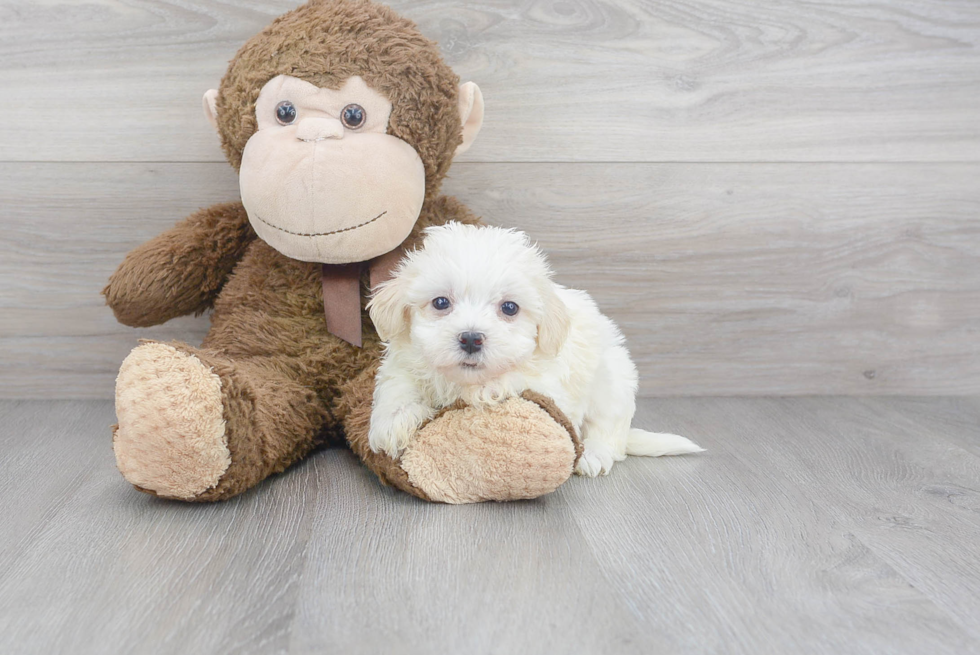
point(359, 190)
point(318, 191)
point(470, 114)
point(558, 344)
point(501, 452)
point(171, 433)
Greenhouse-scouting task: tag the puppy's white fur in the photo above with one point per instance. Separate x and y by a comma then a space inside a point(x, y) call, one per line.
point(558, 344)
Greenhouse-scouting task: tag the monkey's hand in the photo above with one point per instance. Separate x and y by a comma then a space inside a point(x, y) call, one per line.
point(523, 447)
point(182, 270)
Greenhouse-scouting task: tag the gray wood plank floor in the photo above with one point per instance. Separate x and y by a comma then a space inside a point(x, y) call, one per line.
point(811, 525)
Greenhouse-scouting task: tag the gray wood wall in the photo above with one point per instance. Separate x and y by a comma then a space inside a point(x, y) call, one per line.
point(770, 197)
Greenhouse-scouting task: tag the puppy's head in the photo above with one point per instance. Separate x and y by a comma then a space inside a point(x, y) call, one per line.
point(473, 303)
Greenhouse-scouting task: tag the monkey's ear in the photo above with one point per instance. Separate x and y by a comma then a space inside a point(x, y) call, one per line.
point(388, 309)
point(211, 107)
point(470, 114)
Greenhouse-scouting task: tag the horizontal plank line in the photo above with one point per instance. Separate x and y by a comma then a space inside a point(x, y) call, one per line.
point(870, 162)
point(726, 279)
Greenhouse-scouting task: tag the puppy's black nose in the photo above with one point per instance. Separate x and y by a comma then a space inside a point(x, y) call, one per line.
point(471, 342)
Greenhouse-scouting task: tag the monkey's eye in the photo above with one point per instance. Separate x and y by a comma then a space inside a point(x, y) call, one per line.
point(509, 308)
point(441, 303)
point(285, 112)
point(353, 116)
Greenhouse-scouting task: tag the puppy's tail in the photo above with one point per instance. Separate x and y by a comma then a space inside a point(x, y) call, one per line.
point(658, 444)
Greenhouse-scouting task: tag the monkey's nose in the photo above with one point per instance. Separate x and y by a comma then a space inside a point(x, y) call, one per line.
point(471, 342)
point(318, 129)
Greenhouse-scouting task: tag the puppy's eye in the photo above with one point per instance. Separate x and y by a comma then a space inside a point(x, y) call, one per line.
point(509, 308)
point(285, 112)
point(353, 116)
point(441, 303)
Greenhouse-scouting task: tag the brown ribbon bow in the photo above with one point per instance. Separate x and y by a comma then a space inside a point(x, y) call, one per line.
point(342, 293)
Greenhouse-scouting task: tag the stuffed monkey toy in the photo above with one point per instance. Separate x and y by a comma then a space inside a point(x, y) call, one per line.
point(342, 121)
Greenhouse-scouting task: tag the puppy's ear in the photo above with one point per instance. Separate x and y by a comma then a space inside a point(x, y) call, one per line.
point(553, 329)
point(388, 309)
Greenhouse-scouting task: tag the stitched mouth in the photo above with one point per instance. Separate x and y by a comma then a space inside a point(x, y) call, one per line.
point(321, 234)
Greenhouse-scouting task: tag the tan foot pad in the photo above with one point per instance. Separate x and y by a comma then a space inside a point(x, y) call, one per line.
point(171, 434)
point(511, 451)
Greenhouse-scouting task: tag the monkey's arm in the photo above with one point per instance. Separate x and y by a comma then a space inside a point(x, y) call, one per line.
point(182, 270)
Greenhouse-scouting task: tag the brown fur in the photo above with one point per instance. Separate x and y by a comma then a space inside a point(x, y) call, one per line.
point(182, 270)
point(287, 384)
point(327, 41)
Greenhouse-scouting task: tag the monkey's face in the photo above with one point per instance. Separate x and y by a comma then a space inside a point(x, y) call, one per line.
point(321, 179)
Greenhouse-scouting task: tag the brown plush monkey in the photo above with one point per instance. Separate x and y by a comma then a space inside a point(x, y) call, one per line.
point(342, 121)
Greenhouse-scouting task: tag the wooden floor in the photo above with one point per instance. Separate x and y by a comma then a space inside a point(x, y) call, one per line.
point(811, 525)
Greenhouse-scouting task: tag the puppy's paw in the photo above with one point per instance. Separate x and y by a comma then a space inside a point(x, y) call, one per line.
point(597, 458)
point(392, 433)
point(588, 465)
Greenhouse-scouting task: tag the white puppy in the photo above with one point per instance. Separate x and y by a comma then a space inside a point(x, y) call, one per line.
point(474, 315)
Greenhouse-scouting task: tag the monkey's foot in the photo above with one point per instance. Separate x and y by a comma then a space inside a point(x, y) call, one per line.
point(520, 449)
point(171, 434)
